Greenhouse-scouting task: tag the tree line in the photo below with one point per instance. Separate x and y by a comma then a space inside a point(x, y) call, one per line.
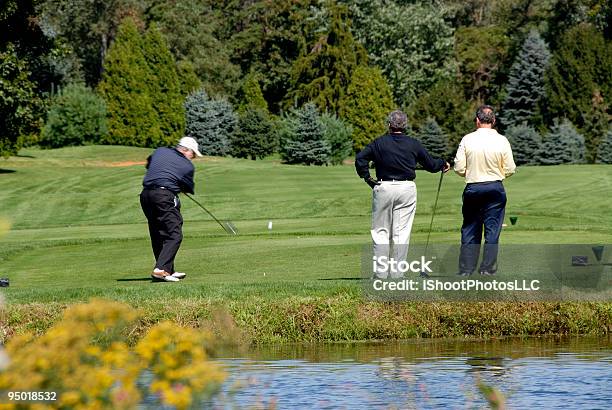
point(312, 80)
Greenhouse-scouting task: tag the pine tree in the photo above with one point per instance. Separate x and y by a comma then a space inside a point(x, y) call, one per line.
point(164, 87)
point(604, 154)
point(526, 83)
point(255, 136)
point(563, 145)
point(339, 135)
point(210, 122)
point(579, 84)
point(366, 105)
point(525, 142)
point(433, 138)
point(307, 144)
point(132, 118)
point(322, 76)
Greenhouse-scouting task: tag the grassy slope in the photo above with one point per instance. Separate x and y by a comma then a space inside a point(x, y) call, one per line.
point(78, 232)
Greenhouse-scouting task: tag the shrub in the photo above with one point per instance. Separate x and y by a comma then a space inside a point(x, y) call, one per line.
point(563, 145)
point(525, 142)
point(255, 136)
point(76, 116)
point(210, 122)
point(305, 142)
point(339, 135)
point(86, 357)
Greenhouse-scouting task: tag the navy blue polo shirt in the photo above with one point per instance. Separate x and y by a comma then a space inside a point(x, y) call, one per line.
point(169, 168)
point(395, 157)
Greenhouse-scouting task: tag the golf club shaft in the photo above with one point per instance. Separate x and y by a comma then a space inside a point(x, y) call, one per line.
point(433, 212)
point(206, 210)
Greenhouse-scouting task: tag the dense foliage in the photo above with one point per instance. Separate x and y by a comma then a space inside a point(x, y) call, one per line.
point(534, 61)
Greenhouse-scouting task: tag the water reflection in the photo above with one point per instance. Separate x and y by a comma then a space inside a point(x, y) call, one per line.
point(544, 372)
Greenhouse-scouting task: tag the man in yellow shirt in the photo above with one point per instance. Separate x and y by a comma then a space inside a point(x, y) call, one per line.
point(484, 158)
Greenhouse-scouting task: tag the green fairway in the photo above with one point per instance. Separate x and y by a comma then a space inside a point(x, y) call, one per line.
point(78, 230)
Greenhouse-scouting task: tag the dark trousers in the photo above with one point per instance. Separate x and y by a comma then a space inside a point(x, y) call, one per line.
point(163, 211)
point(484, 204)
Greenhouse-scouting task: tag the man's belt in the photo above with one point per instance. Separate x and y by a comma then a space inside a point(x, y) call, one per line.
point(395, 179)
point(154, 187)
point(483, 182)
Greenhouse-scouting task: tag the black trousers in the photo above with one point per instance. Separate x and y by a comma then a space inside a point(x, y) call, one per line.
point(163, 211)
point(484, 204)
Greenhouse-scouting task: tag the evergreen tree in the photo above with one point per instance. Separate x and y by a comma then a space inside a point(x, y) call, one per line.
point(433, 138)
point(339, 135)
point(306, 144)
point(250, 95)
point(164, 87)
point(255, 136)
point(210, 122)
point(525, 88)
point(445, 102)
point(525, 142)
point(604, 154)
point(132, 118)
point(366, 105)
point(563, 145)
point(322, 76)
point(579, 84)
point(76, 116)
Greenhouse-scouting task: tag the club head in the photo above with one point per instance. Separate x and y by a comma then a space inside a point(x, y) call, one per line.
point(230, 228)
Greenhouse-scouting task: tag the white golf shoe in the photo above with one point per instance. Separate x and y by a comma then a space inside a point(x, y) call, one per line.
point(162, 275)
point(179, 275)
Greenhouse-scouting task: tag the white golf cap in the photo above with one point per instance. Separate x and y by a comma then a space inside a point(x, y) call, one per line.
point(190, 143)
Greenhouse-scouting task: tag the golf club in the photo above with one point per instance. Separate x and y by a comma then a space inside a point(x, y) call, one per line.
point(226, 225)
point(433, 214)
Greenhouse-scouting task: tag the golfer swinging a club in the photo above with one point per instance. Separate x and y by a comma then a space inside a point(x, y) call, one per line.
point(169, 172)
point(484, 158)
point(394, 195)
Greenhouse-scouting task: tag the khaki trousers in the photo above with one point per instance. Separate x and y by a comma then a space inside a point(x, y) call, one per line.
point(393, 208)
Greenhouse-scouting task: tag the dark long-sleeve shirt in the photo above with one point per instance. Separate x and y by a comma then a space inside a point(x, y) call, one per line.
point(395, 157)
point(170, 169)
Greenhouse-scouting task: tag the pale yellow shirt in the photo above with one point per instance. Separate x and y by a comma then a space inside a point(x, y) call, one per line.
point(484, 155)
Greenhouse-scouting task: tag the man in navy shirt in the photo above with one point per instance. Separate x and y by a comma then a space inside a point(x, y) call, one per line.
point(169, 172)
point(395, 156)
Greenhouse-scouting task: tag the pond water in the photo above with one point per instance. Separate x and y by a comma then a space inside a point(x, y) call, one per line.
point(531, 373)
